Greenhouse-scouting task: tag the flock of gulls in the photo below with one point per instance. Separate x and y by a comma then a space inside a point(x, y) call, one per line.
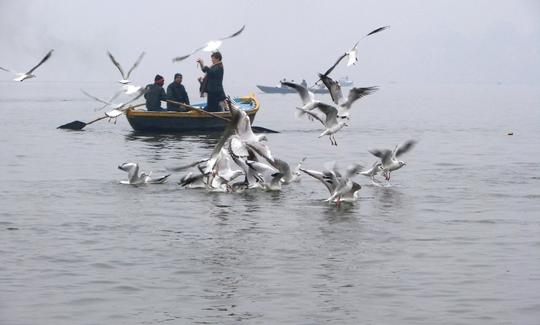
point(242, 160)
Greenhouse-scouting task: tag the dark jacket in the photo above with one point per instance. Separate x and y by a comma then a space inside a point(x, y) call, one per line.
point(215, 78)
point(177, 92)
point(154, 95)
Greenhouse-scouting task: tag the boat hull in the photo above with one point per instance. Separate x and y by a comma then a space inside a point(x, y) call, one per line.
point(187, 122)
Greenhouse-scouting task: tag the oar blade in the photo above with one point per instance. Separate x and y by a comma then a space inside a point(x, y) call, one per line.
point(75, 125)
point(260, 129)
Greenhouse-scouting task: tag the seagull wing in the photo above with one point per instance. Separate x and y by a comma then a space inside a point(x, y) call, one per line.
point(181, 168)
point(334, 88)
point(326, 177)
point(357, 93)
point(384, 155)
point(116, 64)
point(6, 70)
point(96, 99)
point(41, 62)
point(404, 147)
point(135, 64)
point(335, 64)
point(313, 114)
point(306, 95)
point(330, 112)
point(235, 34)
point(380, 29)
point(180, 58)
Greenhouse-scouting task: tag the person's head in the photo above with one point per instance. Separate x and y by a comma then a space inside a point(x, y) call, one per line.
point(178, 78)
point(216, 57)
point(158, 80)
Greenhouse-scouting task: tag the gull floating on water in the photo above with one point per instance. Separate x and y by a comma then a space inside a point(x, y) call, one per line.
point(23, 76)
point(210, 46)
point(125, 77)
point(135, 179)
point(389, 162)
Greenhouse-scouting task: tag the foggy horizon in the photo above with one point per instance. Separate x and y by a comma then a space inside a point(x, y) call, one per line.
point(481, 42)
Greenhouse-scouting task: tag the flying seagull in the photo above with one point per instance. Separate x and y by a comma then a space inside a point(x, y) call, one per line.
point(389, 161)
point(210, 46)
point(332, 122)
point(23, 76)
point(353, 53)
point(125, 77)
point(341, 188)
point(115, 106)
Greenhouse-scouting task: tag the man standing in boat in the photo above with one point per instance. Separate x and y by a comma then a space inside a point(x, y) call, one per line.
point(155, 94)
point(177, 92)
point(214, 86)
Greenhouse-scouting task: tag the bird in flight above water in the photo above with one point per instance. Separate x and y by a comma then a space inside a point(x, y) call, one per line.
point(210, 46)
point(23, 76)
point(125, 77)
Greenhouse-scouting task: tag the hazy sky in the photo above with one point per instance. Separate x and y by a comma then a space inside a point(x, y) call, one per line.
point(477, 41)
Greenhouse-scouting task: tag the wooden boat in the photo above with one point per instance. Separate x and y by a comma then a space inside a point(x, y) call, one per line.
point(191, 121)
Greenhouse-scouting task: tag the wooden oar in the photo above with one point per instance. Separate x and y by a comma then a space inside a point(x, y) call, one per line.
point(258, 129)
point(78, 125)
point(189, 107)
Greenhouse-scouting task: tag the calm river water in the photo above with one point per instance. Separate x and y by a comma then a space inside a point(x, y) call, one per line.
point(454, 240)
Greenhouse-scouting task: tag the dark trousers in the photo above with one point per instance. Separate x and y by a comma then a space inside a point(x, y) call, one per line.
point(213, 101)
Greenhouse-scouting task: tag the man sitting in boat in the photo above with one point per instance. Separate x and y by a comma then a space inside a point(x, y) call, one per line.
point(214, 86)
point(177, 92)
point(155, 94)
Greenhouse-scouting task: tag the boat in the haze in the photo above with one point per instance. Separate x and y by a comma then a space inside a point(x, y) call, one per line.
point(191, 121)
point(319, 89)
point(345, 82)
point(316, 89)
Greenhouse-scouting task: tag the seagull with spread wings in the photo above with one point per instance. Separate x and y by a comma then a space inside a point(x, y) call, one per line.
point(352, 54)
point(125, 77)
point(21, 76)
point(389, 161)
point(210, 46)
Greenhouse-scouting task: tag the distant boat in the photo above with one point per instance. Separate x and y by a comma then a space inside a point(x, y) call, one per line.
point(345, 82)
point(321, 89)
point(317, 89)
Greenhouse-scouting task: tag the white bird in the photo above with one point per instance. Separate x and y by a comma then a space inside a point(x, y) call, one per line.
point(333, 123)
point(352, 54)
point(307, 97)
point(23, 76)
point(135, 179)
point(375, 169)
point(210, 46)
point(389, 162)
point(269, 178)
point(114, 106)
point(341, 188)
point(125, 77)
point(289, 175)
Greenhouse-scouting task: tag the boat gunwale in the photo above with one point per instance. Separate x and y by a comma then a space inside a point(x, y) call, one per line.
point(134, 113)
